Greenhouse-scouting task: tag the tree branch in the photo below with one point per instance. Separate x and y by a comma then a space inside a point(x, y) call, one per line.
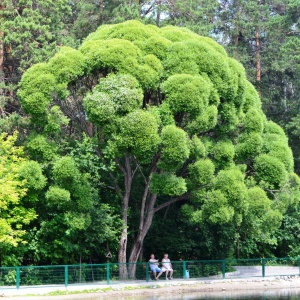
point(120, 166)
point(183, 197)
point(146, 190)
point(117, 188)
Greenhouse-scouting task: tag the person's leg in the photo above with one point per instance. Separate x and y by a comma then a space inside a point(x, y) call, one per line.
point(159, 274)
point(171, 273)
point(155, 271)
point(167, 272)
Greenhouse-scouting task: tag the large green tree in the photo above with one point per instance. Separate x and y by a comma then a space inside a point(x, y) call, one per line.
point(172, 118)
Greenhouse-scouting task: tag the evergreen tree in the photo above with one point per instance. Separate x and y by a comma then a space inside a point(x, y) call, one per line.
point(263, 36)
point(31, 32)
point(198, 15)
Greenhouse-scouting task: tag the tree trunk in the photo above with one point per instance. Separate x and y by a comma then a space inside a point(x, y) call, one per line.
point(158, 11)
point(147, 215)
point(101, 6)
point(147, 212)
point(122, 251)
point(257, 55)
point(123, 240)
point(143, 230)
point(236, 40)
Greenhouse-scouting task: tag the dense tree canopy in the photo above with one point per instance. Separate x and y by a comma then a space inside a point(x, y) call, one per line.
point(171, 117)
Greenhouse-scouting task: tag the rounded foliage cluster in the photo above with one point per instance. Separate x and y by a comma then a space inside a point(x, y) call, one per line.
point(168, 97)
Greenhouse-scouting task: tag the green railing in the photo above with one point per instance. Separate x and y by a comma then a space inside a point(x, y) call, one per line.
point(26, 276)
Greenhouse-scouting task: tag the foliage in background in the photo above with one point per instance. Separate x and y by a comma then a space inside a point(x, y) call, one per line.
point(31, 31)
point(20, 182)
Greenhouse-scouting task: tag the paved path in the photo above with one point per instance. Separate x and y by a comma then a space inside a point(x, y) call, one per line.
point(256, 271)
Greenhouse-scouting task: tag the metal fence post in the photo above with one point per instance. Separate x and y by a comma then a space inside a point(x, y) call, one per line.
point(147, 272)
point(18, 277)
point(66, 275)
point(263, 267)
point(184, 270)
point(223, 268)
point(107, 273)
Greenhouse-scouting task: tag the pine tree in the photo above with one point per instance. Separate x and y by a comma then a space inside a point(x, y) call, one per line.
point(31, 32)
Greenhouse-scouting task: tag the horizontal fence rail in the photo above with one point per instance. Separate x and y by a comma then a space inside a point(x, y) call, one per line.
point(28, 276)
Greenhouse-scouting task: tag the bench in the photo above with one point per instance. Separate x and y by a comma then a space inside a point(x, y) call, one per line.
point(151, 275)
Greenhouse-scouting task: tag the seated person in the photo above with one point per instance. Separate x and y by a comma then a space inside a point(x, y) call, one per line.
point(167, 266)
point(153, 264)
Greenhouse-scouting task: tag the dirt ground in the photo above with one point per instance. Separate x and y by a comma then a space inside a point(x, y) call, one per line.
point(172, 290)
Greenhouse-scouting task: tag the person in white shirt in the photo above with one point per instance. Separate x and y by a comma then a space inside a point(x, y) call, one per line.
point(167, 266)
point(153, 264)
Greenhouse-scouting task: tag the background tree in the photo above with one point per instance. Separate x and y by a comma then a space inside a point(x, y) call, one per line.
point(31, 32)
point(263, 36)
point(20, 182)
point(87, 16)
point(73, 224)
point(197, 15)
